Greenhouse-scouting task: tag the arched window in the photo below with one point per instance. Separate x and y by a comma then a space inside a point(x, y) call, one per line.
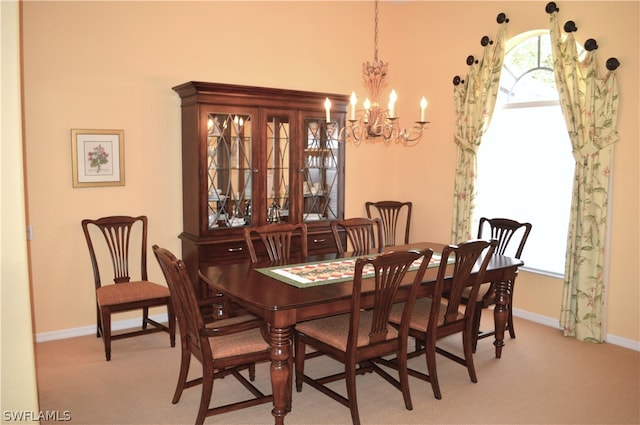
point(525, 165)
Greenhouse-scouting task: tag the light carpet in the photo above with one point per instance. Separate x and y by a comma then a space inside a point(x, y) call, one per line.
point(542, 378)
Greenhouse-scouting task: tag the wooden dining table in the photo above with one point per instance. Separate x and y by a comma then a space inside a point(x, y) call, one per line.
point(282, 305)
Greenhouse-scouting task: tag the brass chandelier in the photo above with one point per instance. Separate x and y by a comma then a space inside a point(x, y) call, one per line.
point(373, 122)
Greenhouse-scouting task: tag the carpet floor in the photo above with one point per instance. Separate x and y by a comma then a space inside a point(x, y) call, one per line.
point(542, 378)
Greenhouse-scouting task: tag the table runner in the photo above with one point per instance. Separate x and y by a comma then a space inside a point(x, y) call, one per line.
point(306, 275)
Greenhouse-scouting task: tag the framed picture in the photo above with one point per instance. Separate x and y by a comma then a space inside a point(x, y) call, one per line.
point(98, 157)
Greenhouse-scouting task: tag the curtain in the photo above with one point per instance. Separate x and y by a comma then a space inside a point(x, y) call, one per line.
point(590, 106)
point(474, 100)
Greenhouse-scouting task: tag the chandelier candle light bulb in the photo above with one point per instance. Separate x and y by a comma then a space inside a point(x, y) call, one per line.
point(367, 106)
point(393, 97)
point(327, 107)
point(423, 109)
point(354, 101)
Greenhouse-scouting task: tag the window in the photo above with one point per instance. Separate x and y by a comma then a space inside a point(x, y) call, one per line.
point(525, 165)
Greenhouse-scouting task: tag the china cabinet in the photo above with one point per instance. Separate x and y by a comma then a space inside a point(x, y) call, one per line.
point(255, 155)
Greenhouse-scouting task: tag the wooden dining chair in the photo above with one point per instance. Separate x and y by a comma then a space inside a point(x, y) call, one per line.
point(223, 347)
point(363, 334)
point(277, 241)
point(125, 294)
point(363, 234)
point(512, 237)
point(396, 219)
point(435, 318)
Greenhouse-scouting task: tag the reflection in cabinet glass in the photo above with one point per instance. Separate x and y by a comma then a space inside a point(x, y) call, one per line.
point(278, 146)
point(229, 170)
point(321, 177)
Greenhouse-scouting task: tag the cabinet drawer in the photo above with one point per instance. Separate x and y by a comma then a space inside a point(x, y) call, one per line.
point(224, 252)
point(321, 243)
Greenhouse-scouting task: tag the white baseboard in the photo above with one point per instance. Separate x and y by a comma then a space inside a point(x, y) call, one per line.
point(132, 323)
point(554, 323)
point(91, 329)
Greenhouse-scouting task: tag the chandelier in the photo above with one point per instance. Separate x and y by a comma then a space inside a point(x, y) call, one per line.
point(373, 122)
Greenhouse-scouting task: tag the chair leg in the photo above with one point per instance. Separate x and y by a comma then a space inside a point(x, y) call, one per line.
point(350, 378)
point(299, 361)
point(185, 360)
point(404, 378)
point(172, 324)
point(98, 322)
point(477, 315)
point(430, 353)
point(105, 320)
point(291, 372)
point(205, 398)
point(468, 336)
point(145, 317)
point(512, 331)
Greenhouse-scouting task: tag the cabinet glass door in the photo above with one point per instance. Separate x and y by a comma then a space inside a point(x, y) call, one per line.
point(278, 145)
point(229, 174)
point(321, 176)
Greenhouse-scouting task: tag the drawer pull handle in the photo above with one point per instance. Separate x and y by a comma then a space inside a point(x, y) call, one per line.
point(234, 249)
point(318, 240)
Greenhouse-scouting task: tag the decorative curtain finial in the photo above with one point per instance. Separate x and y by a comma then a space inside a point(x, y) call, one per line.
point(570, 27)
point(590, 45)
point(612, 64)
point(551, 8)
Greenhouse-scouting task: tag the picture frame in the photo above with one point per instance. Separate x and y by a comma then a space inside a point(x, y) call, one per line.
point(97, 157)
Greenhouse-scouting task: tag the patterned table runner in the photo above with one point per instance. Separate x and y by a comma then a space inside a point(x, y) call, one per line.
point(306, 275)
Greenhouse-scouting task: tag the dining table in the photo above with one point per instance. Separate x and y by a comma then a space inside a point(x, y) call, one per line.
point(270, 291)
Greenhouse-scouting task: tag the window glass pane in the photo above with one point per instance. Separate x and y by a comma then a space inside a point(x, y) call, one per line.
point(525, 172)
point(528, 72)
point(525, 164)
point(534, 86)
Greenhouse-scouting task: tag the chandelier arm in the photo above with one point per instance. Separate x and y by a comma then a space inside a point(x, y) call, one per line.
point(415, 133)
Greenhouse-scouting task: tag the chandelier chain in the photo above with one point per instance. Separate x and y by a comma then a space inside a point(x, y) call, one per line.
point(375, 34)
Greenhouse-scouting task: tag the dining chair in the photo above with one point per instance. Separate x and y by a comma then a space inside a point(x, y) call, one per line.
point(512, 237)
point(124, 294)
point(356, 338)
point(434, 318)
point(395, 217)
point(363, 234)
point(277, 240)
point(223, 347)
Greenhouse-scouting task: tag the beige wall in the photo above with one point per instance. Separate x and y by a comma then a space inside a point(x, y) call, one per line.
point(111, 65)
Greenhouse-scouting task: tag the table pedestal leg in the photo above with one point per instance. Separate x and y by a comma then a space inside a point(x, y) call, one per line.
point(501, 314)
point(281, 356)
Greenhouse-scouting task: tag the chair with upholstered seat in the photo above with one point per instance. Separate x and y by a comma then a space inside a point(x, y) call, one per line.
point(356, 338)
point(125, 294)
point(277, 240)
point(395, 216)
point(435, 318)
point(223, 347)
point(511, 236)
point(363, 234)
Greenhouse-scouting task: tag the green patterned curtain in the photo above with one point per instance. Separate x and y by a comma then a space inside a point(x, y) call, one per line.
point(474, 100)
point(590, 107)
